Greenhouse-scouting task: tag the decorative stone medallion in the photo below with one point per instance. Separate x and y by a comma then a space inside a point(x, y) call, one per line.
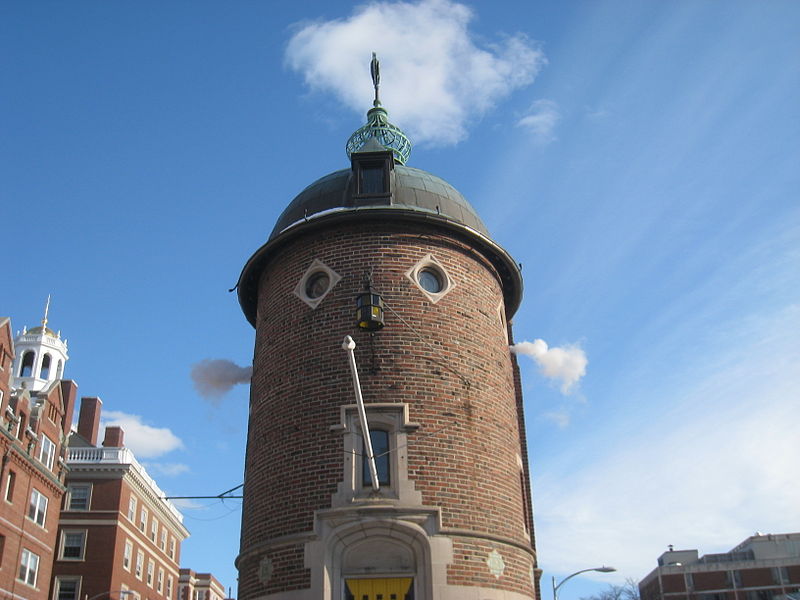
point(265, 570)
point(495, 563)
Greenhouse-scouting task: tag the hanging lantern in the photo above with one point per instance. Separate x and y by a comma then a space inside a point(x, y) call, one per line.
point(369, 310)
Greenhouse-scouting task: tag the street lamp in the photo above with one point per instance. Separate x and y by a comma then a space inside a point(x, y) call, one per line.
point(122, 594)
point(603, 569)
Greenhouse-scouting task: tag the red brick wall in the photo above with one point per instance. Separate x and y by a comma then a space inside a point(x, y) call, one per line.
point(459, 384)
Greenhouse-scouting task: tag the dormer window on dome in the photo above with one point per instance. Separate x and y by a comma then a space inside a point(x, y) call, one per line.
point(372, 171)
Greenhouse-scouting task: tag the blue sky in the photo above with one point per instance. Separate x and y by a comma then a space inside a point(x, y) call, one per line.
point(639, 158)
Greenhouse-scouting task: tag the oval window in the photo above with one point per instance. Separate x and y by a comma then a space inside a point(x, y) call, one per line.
point(430, 280)
point(317, 284)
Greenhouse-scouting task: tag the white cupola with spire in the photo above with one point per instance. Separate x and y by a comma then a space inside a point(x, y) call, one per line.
point(40, 356)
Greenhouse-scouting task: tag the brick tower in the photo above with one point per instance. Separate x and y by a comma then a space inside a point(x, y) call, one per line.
point(451, 516)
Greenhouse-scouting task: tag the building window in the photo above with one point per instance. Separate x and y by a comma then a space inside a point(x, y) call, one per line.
point(44, 372)
point(390, 426)
point(162, 541)
point(78, 495)
point(73, 544)
point(172, 547)
point(780, 575)
point(2, 547)
point(151, 568)
point(127, 555)
point(28, 567)
point(10, 480)
point(139, 564)
point(47, 452)
point(37, 510)
point(132, 508)
point(380, 450)
point(68, 588)
point(153, 529)
point(431, 278)
point(60, 369)
point(142, 519)
point(26, 365)
point(316, 283)
point(169, 587)
point(160, 580)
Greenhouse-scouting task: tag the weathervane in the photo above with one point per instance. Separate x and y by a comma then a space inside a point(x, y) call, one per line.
point(46, 310)
point(375, 71)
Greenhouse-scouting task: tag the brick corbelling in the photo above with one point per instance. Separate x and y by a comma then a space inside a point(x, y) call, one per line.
point(458, 380)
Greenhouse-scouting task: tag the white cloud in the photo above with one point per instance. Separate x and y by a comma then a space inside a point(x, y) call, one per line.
point(434, 76)
point(567, 363)
point(145, 441)
point(541, 120)
point(188, 504)
point(561, 418)
point(167, 469)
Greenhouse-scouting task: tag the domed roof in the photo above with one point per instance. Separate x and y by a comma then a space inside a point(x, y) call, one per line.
point(39, 329)
point(410, 190)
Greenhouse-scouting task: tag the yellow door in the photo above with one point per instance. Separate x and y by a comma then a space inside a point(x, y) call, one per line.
point(394, 588)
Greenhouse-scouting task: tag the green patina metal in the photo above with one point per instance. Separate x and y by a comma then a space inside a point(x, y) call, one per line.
point(378, 126)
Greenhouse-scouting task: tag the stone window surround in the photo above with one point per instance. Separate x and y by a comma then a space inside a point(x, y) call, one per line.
point(317, 266)
point(429, 262)
point(392, 417)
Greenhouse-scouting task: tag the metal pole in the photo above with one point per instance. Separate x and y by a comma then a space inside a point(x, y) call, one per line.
point(349, 345)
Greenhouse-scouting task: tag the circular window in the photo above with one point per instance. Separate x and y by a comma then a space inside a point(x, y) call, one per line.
point(317, 284)
point(430, 280)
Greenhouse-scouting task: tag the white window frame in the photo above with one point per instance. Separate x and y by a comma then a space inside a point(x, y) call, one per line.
point(151, 572)
point(160, 580)
point(70, 492)
point(37, 507)
point(170, 584)
point(127, 555)
point(28, 567)
point(143, 519)
point(172, 547)
point(132, 502)
point(139, 572)
point(47, 452)
point(11, 479)
point(162, 541)
point(153, 529)
point(63, 544)
point(70, 578)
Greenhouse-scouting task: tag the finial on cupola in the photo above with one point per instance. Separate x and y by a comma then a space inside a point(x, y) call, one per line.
point(378, 127)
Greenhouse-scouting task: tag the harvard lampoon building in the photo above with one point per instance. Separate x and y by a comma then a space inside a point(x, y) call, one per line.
point(398, 260)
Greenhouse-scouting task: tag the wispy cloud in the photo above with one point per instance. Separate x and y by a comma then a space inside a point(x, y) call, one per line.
point(541, 120)
point(188, 504)
point(716, 463)
point(145, 441)
point(566, 364)
point(166, 469)
point(435, 74)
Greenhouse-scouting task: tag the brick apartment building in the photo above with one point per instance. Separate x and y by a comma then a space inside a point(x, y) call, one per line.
point(116, 532)
point(36, 407)
point(449, 515)
point(199, 586)
point(77, 520)
point(762, 567)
